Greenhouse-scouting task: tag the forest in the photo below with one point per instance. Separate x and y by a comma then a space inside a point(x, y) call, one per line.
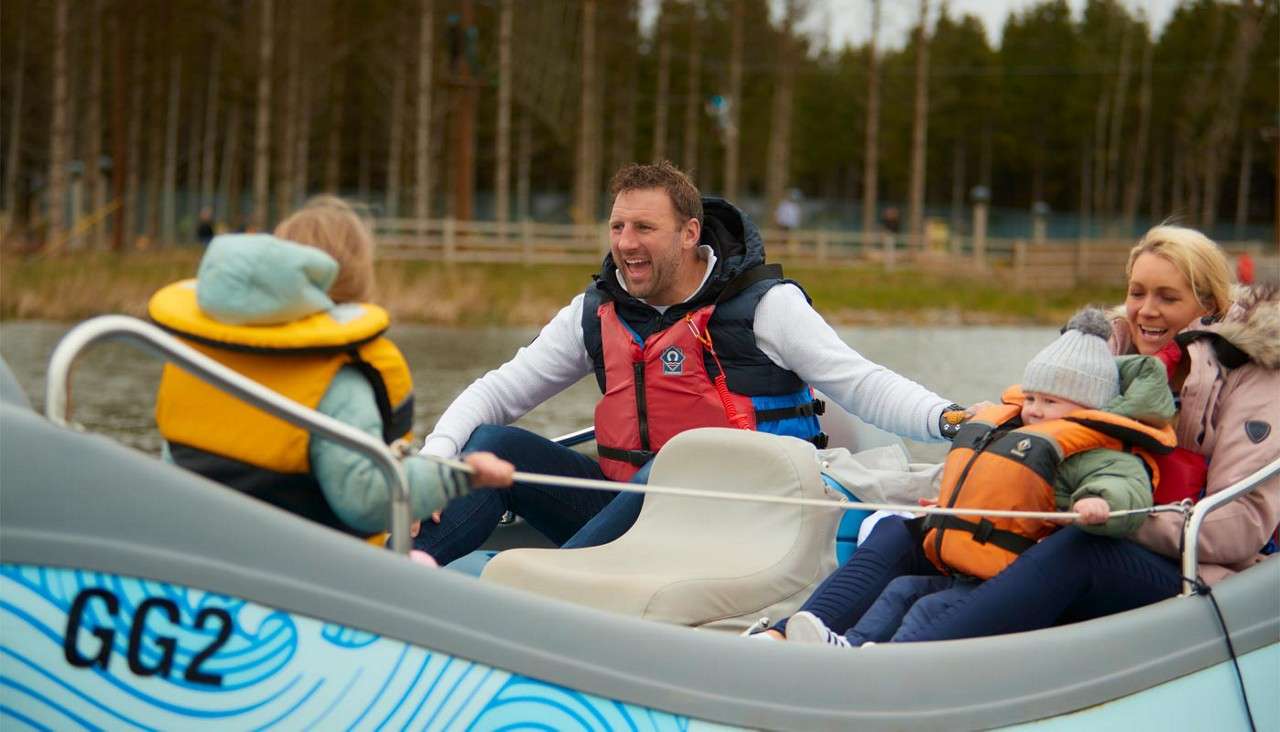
point(122, 120)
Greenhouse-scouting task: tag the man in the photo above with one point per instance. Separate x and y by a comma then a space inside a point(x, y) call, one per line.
point(684, 327)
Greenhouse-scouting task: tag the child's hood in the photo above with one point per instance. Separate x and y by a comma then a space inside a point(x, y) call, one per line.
point(1144, 391)
point(258, 279)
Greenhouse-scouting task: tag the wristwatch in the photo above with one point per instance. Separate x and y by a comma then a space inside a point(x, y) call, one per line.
point(949, 426)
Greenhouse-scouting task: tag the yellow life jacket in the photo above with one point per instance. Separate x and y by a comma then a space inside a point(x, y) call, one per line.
point(237, 444)
point(996, 462)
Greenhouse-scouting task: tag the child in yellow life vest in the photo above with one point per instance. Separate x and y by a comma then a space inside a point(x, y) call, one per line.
point(288, 311)
point(1076, 436)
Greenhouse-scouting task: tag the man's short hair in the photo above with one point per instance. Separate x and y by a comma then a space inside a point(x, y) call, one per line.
point(684, 195)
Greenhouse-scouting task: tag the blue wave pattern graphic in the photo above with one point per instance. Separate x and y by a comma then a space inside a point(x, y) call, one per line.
point(273, 669)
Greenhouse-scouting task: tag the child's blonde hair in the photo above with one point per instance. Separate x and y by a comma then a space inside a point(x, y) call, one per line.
point(1194, 255)
point(331, 225)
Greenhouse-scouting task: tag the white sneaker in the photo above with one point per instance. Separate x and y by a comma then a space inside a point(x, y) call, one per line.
point(805, 627)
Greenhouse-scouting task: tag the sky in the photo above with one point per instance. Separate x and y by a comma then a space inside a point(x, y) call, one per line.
point(849, 21)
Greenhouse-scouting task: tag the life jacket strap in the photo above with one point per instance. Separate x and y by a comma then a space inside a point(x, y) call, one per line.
point(637, 458)
point(984, 532)
point(808, 409)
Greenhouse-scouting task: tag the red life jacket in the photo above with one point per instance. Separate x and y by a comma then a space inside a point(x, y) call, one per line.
point(658, 388)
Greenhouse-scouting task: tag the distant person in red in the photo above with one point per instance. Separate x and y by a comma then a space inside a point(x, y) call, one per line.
point(1244, 269)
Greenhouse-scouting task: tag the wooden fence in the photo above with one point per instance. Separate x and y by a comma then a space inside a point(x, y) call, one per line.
point(1053, 264)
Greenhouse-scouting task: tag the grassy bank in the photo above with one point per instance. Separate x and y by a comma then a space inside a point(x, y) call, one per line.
point(88, 284)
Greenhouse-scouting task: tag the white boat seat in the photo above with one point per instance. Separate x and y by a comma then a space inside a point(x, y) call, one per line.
point(698, 562)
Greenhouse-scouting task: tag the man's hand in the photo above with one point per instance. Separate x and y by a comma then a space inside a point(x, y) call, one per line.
point(491, 472)
point(1092, 510)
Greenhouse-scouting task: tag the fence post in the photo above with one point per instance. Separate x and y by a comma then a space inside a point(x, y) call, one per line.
point(888, 241)
point(822, 246)
point(1082, 261)
point(526, 242)
point(450, 239)
point(1019, 264)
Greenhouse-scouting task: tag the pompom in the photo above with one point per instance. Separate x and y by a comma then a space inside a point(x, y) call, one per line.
point(1090, 321)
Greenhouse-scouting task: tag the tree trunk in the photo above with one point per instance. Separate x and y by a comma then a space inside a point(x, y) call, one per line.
point(1155, 199)
point(957, 188)
point(12, 166)
point(58, 133)
point(93, 123)
point(301, 166)
point(422, 139)
point(337, 105)
point(871, 144)
point(693, 92)
point(195, 148)
point(1086, 189)
point(464, 123)
point(1137, 162)
point(1242, 189)
point(587, 193)
point(229, 180)
point(661, 100)
point(210, 167)
point(133, 183)
point(154, 183)
point(502, 172)
point(1117, 124)
point(524, 164)
point(732, 134)
point(289, 120)
point(1222, 128)
point(119, 128)
point(168, 227)
point(919, 132)
point(262, 128)
point(1102, 112)
point(364, 165)
point(395, 135)
point(779, 150)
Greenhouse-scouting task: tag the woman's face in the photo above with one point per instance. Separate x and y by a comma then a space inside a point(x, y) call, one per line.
point(1160, 303)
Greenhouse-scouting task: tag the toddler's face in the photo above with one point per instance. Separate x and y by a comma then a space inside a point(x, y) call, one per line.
point(1038, 407)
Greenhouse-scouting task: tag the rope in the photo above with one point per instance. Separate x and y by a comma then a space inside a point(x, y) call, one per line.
point(1203, 589)
point(608, 485)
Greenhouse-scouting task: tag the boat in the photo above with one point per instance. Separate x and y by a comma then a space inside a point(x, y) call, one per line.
point(136, 594)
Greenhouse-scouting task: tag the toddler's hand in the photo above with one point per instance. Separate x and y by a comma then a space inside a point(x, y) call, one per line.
point(926, 502)
point(491, 470)
point(1092, 510)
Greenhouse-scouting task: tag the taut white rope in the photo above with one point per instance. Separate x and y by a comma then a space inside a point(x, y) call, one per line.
point(609, 485)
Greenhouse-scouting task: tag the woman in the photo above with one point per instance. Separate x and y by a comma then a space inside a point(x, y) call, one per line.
point(1226, 373)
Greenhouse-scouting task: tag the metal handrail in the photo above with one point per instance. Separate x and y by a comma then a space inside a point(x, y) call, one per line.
point(149, 337)
point(1207, 505)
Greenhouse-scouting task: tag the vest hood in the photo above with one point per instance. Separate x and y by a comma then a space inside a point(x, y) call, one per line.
point(729, 232)
point(1144, 391)
point(257, 279)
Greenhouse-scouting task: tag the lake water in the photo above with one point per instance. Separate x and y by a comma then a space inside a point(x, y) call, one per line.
point(114, 385)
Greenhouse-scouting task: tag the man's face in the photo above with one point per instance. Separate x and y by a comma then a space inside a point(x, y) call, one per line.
point(654, 250)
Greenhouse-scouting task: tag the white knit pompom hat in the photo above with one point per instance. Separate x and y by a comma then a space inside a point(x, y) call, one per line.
point(1078, 366)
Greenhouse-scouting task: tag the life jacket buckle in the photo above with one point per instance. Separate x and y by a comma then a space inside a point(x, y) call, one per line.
point(982, 534)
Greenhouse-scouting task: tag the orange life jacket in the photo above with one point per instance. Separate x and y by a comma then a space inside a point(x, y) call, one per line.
point(996, 462)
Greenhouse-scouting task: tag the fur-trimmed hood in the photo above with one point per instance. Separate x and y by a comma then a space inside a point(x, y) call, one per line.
point(1252, 324)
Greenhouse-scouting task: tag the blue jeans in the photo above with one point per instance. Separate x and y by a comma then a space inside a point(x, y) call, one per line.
point(1069, 577)
point(557, 512)
point(892, 550)
point(906, 601)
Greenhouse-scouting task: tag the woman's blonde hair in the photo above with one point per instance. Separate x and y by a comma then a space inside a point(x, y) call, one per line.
point(1196, 256)
point(331, 225)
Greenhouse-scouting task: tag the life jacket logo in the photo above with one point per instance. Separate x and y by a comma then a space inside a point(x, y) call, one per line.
point(1020, 449)
point(673, 361)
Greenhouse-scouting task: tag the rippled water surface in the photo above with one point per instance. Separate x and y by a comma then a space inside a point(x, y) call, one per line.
point(114, 385)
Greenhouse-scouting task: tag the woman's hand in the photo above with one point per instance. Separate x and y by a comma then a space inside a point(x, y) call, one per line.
point(491, 470)
point(927, 502)
point(1092, 510)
